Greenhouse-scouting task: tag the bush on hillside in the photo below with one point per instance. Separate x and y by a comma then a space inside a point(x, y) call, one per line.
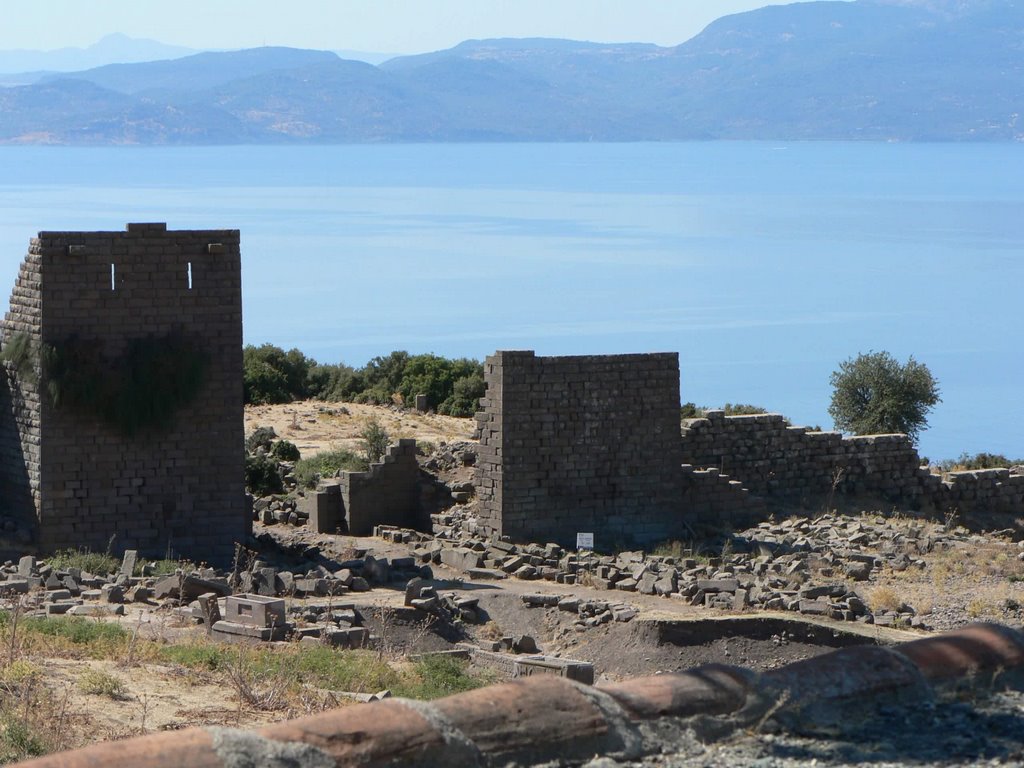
point(465, 397)
point(285, 450)
point(261, 437)
point(261, 476)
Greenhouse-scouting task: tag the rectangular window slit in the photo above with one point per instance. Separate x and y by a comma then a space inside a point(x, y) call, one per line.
point(189, 275)
point(113, 278)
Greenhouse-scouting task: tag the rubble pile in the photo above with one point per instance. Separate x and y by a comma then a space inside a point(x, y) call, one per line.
point(805, 565)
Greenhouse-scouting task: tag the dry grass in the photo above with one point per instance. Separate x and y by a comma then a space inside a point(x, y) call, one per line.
point(884, 598)
point(490, 631)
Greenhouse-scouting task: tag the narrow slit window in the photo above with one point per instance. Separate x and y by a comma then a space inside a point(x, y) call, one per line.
point(189, 273)
point(113, 278)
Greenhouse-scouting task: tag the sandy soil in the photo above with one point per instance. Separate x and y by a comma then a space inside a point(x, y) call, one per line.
point(316, 426)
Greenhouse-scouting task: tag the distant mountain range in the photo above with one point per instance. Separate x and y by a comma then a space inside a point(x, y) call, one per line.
point(899, 70)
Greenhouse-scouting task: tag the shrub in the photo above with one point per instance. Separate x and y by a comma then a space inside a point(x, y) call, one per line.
point(979, 461)
point(334, 382)
point(261, 476)
point(18, 740)
point(97, 563)
point(465, 397)
point(99, 683)
point(261, 437)
point(375, 440)
point(691, 411)
point(452, 386)
point(742, 409)
point(327, 464)
point(18, 351)
point(284, 450)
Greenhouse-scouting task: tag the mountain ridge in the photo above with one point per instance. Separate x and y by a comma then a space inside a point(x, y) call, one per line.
point(888, 70)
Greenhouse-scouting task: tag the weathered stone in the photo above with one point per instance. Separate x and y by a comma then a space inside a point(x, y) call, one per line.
point(718, 585)
point(112, 593)
point(94, 610)
point(128, 562)
point(525, 644)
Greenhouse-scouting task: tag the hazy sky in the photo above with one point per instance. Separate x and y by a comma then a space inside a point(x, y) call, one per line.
point(391, 26)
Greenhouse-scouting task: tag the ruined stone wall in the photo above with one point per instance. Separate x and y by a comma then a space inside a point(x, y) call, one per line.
point(786, 464)
point(773, 459)
point(388, 494)
point(571, 444)
point(178, 488)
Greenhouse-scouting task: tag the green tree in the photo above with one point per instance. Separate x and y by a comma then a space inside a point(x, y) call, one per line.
point(272, 375)
point(873, 393)
point(465, 397)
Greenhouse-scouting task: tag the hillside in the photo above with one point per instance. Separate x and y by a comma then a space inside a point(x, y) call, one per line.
point(870, 69)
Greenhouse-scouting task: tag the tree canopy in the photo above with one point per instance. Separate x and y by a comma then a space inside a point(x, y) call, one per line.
point(874, 393)
point(452, 386)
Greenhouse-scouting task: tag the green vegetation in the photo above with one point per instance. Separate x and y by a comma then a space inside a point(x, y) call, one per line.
point(98, 563)
point(694, 411)
point(262, 438)
point(452, 387)
point(324, 667)
point(96, 682)
point(285, 450)
point(375, 440)
point(261, 476)
point(873, 394)
point(309, 471)
point(142, 388)
point(979, 461)
point(272, 375)
point(18, 351)
point(18, 739)
point(435, 676)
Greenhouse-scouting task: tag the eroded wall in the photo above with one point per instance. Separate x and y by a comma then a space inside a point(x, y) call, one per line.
point(788, 465)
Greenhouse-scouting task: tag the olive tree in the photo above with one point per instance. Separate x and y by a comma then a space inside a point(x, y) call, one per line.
point(874, 393)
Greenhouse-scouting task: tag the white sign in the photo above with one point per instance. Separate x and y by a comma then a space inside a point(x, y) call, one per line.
point(585, 541)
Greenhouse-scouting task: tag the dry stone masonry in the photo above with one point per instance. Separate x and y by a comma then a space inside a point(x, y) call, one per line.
point(387, 494)
point(591, 444)
point(784, 464)
point(72, 478)
point(571, 444)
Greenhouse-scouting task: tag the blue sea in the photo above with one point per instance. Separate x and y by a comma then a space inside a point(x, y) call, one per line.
point(763, 264)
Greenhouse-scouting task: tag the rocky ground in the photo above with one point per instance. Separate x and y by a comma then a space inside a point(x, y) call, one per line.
point(778, 592)
point(986, 731)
